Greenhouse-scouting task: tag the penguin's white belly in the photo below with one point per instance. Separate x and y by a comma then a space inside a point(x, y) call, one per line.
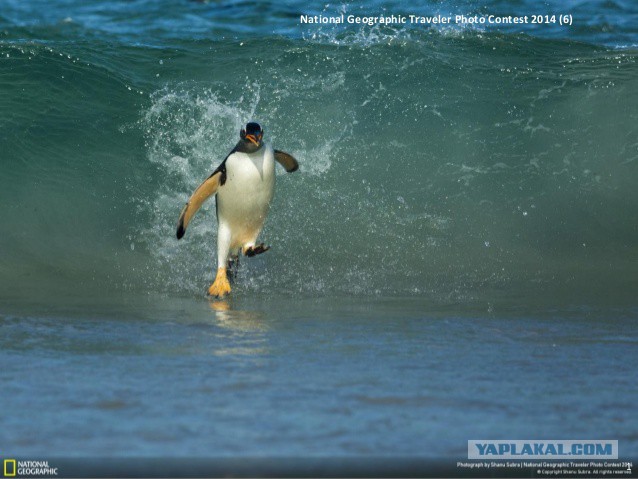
point(244, 199)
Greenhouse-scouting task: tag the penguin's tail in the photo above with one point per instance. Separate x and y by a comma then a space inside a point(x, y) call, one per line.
point(232, 268)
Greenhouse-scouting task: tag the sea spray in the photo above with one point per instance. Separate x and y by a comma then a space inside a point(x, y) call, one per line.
point(433, 163)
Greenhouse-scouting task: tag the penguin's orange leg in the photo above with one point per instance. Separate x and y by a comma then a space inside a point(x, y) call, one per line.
point(221, 286)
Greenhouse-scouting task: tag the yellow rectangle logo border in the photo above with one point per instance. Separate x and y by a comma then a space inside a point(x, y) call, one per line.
point(6, 463)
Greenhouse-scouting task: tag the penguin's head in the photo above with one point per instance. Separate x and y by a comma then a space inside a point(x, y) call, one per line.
point(251, 136)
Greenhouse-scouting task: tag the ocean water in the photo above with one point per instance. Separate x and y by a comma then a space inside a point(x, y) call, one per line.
point(457, 257)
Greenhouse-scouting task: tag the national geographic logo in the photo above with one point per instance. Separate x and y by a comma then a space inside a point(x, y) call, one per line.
point(9, 468)
point(13, 468)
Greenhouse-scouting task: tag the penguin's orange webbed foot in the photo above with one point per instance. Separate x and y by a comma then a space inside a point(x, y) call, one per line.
point(221, 285)
point(255, 250)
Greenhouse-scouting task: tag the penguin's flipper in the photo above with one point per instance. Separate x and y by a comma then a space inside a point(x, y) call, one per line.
point(287, 161)
point(201, 194)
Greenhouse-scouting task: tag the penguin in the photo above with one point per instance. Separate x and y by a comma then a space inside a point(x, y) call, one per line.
point(244, 185)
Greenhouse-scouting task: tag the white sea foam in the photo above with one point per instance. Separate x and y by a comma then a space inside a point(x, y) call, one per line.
point(188, 133)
